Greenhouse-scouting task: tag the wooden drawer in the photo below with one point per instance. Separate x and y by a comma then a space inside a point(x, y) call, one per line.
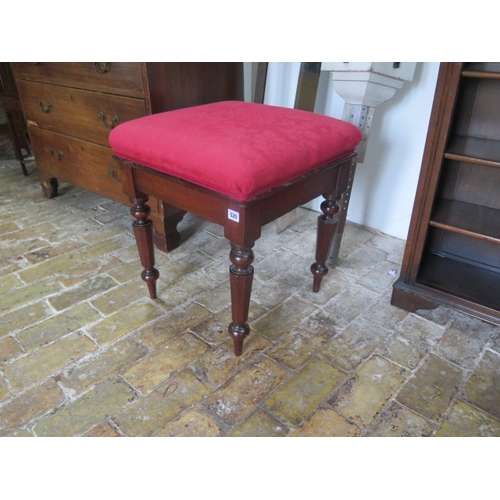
point(116, 78)
point(78, 113)
point(81, 163)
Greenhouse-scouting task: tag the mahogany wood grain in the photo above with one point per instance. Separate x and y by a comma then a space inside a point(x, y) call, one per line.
point(180, 85)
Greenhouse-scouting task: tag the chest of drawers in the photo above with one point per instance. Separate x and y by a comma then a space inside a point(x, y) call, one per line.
point(70, 109)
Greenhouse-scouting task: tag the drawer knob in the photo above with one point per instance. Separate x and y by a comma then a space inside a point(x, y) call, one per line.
point(113, 123)
point(102, 67)
point(44, 107)
point(59, 155)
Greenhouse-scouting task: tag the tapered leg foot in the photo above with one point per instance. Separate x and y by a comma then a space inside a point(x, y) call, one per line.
point(143, 231)
point(238, 333)
point(327, 227)
point(241, 278)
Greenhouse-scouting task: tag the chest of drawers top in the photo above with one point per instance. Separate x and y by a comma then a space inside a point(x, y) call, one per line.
point(123, 78)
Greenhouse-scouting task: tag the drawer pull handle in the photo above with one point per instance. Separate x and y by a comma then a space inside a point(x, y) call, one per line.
point(113, 123)
point(59, 155)
point(102, 67)
point(45, 108)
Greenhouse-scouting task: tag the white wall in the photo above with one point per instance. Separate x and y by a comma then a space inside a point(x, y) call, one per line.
point(385, 183)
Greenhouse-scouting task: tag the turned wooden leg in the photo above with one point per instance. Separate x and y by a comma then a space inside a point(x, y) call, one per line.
point(143, 231)
point(241, 277)
point(327, 226)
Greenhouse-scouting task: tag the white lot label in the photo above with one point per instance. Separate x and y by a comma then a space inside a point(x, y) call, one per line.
point(232, 215)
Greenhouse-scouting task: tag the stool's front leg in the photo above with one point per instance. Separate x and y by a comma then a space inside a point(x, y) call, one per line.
point(327, 227)
point(143, 231)
point(241, 277)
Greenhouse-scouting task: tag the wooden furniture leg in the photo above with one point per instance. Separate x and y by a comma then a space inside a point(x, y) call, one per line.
point(327, 226)
point(50, 187)
point(241, 278)
point(143, 231)
point(165, 234)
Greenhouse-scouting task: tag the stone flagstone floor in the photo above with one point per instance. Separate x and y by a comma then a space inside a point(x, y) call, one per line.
point(84, 353)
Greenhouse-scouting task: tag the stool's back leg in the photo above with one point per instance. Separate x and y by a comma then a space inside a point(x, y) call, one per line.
point(327, 227)
point(328, 223)
point(241, 278)
point(143, 231)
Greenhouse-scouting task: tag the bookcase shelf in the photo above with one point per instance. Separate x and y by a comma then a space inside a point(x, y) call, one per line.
point(452, 255)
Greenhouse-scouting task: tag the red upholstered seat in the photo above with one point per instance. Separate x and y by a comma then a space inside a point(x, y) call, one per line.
point(242, 165)
point(235, 148)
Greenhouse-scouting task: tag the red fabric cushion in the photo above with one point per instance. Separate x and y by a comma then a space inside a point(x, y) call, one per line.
point(236, 148)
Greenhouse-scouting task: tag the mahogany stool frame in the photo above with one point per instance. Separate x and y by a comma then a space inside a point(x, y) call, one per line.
point(242, 222)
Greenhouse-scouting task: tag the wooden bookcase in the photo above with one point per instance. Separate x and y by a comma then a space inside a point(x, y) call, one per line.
point(452, 255)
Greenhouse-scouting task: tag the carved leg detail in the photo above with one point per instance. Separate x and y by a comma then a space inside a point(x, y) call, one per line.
point(241, 277)
point(327, 227)
point(143, 231)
